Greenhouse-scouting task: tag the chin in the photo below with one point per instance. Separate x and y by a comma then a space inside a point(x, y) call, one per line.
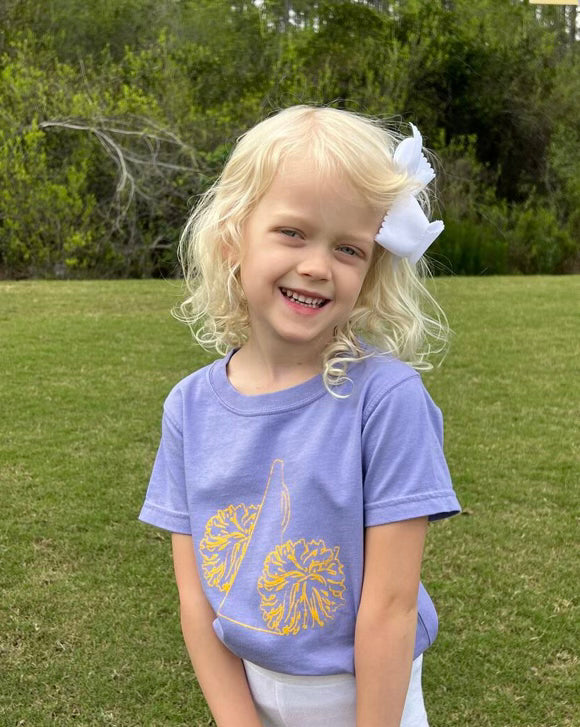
point(301, 338)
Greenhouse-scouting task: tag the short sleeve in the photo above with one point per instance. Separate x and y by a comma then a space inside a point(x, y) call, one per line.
point(166, 500)
point(404, 469)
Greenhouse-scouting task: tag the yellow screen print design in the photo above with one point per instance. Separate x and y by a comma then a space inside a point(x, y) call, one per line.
point(302, 581)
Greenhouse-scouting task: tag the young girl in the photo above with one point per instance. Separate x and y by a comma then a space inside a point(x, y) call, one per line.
point(298, 473)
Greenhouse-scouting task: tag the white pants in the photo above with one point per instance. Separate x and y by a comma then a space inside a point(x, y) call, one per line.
point(285, 700)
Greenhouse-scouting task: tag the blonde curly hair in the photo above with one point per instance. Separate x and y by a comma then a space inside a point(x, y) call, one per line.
point(394, 314)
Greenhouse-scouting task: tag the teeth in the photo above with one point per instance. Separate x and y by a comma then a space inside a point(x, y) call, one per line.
point(305, 300)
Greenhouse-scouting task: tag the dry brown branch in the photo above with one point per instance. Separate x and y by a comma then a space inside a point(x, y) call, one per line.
point(148, 158)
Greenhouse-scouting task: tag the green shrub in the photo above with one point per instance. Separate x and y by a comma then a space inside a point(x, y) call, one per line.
point(470, 247)
point(48, 225)
point(539, 243)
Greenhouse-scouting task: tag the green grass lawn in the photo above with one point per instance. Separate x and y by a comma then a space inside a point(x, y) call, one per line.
point(89, 631)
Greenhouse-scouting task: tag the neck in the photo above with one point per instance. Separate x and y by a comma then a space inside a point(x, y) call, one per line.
point(255, 370)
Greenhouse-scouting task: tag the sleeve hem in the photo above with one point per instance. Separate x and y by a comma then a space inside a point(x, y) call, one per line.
point(435, 505)
point(175, 522)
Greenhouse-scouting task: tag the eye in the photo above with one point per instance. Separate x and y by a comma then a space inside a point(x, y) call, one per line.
point(349, 250)
point(288, 232)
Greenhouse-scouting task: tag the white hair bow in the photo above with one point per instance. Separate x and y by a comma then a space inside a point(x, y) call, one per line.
point(405, 230)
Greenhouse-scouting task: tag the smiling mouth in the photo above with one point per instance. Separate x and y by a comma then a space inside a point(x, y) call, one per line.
point(306, 300)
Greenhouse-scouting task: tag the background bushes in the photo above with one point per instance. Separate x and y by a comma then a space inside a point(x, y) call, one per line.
point(115, 116)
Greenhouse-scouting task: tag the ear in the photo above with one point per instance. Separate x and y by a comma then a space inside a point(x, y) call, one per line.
point(229, 253)
point(226, 252)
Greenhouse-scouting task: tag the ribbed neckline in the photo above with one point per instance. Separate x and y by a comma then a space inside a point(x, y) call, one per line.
point(293, 398)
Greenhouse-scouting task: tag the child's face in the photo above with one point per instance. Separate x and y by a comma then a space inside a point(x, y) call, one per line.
point(306, 249)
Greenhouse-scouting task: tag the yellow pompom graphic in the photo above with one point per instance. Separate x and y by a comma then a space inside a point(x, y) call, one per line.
point(301, 586)
point(224, 544)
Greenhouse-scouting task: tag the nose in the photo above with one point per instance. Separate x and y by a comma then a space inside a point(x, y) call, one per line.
point(315, 263)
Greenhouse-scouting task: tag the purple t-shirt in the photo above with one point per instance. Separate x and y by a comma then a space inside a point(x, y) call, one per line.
point(276, 491)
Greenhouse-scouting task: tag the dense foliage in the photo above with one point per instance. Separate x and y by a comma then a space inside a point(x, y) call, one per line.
point(115, 115)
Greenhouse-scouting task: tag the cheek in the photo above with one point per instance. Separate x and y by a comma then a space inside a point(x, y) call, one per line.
point(268, 262)
point(360, 277)
point(367, 281)
point(257, 274)
point(356, 286)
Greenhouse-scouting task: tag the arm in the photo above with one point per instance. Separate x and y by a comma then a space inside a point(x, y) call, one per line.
point(387, 620)
point(220, 673)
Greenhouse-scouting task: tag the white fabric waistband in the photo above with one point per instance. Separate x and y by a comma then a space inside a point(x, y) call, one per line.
point(322, 680)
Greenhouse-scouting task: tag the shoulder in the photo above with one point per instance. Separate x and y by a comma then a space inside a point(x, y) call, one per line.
point(190, 390)
point(379, 374)
point(389, 385)
point(382, 367)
